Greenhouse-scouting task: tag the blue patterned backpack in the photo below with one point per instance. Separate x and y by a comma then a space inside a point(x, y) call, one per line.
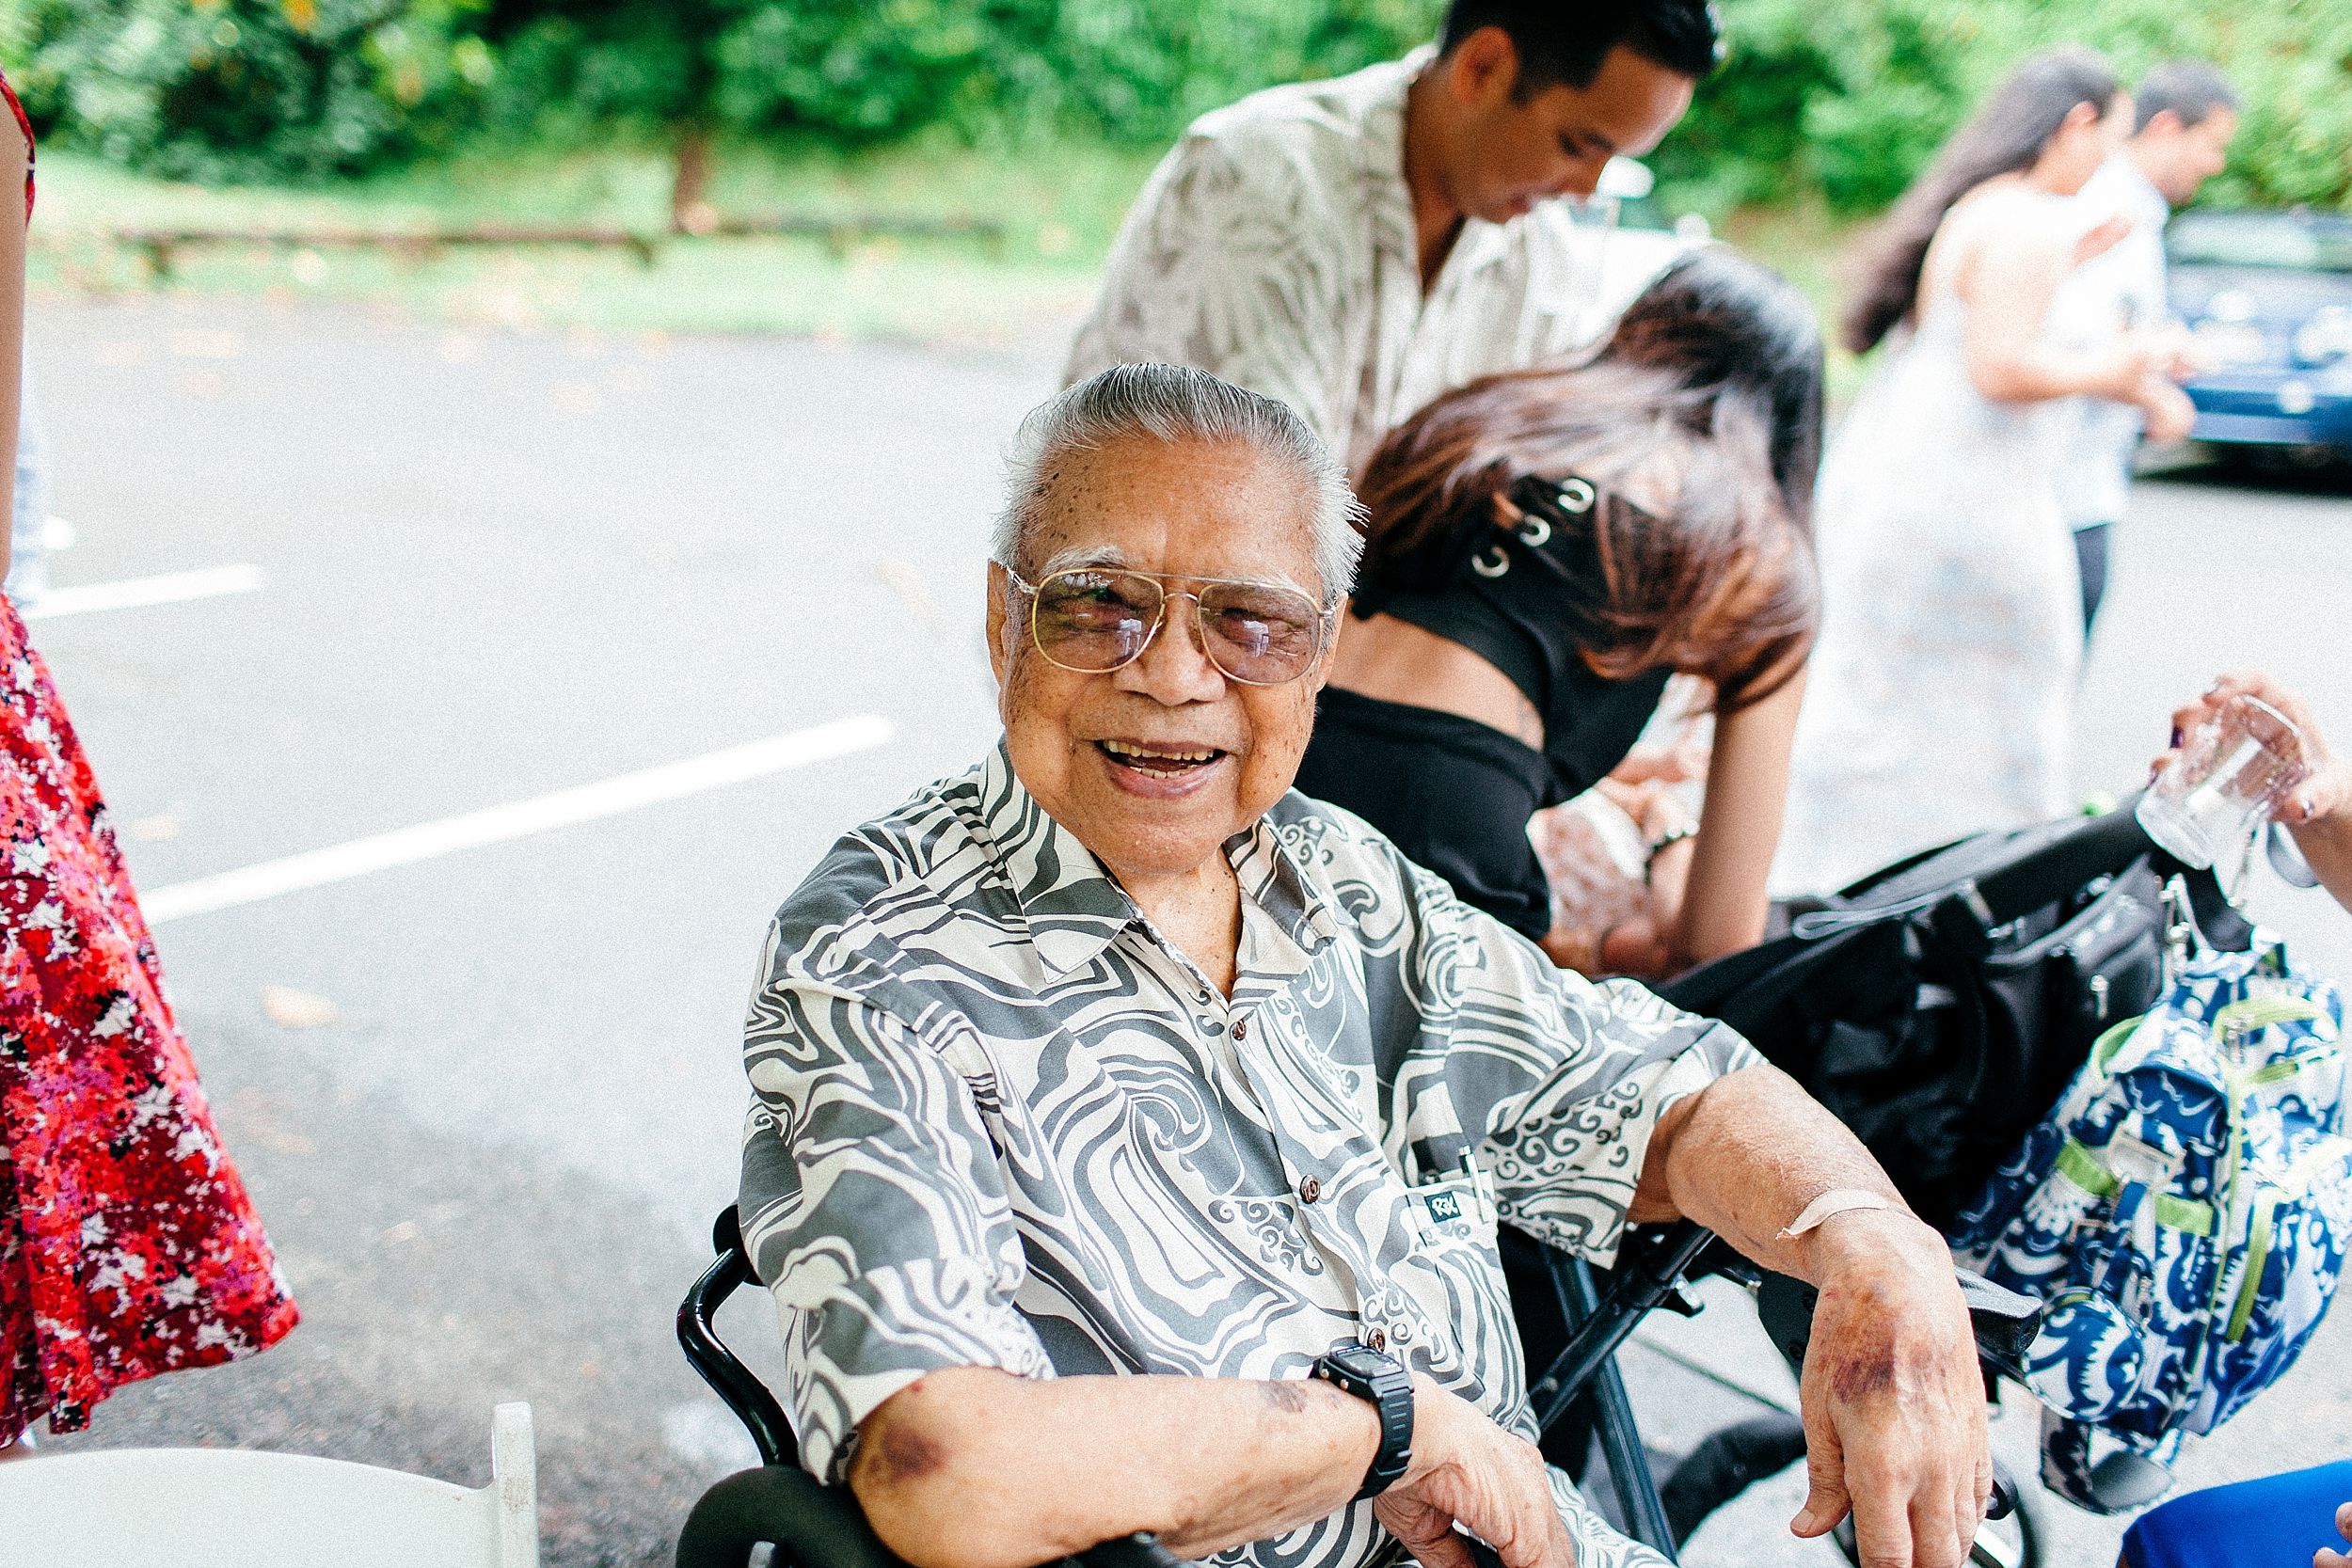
point(2182, 1215)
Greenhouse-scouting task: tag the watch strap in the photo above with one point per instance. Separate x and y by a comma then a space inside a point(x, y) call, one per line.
point(1388, 1388)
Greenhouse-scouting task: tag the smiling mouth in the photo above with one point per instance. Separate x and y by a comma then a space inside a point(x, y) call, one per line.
point(1166, 761)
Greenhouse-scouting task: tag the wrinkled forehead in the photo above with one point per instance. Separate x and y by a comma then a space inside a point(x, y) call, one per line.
point(1191, 508)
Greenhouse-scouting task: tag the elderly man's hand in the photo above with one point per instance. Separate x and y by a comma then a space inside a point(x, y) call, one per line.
point(1893, 1401)
point(1468, 1471)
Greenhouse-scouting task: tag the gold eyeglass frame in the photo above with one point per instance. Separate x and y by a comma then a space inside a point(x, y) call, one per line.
point(1324, 616)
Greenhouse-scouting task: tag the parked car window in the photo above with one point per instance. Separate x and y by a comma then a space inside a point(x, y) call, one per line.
point(2260, 240)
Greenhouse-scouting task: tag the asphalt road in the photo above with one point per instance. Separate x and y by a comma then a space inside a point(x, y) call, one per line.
point(495, 566)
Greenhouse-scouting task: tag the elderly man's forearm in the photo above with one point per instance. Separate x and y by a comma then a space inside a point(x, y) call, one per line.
point(1745, 1156)
point(976, 1468)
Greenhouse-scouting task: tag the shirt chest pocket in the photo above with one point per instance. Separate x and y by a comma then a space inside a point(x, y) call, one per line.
point(1453, 1317)
point(1456, 1208)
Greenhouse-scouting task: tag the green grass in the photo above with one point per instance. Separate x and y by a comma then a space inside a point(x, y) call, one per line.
point(1056, 209)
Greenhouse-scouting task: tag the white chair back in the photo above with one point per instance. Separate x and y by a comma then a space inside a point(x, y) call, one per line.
point(229, 1507)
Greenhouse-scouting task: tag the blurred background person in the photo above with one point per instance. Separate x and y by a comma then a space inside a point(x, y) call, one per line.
point(1357, 247)
point(1546, 548)
point(1951, 633)
point(2185, 113)
point(28, 570)
point(128, 1246)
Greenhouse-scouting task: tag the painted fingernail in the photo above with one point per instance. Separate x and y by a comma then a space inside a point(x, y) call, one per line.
point(2176, 735)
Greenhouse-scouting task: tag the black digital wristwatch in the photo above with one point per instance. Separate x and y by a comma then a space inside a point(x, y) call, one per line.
point(1388, 1388)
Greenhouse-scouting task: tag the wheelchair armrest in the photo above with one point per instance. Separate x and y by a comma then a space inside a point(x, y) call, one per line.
point(1131, 1551)
point(810, 1524)
point(2004, 1322)
point(814, 1526)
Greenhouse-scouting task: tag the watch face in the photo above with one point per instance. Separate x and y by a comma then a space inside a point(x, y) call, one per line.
point(1360, 1360)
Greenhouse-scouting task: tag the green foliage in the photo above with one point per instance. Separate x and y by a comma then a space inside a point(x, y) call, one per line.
point(1849, 98)
point(1839, 99)
point(243, 89)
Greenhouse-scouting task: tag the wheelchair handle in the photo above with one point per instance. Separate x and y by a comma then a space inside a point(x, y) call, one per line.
point(733, 1382)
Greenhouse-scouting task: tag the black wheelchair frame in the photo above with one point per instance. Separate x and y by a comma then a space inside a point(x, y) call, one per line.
point(812, 1526)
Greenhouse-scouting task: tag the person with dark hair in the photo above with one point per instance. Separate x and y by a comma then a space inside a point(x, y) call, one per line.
point(1942, 685)
point(1546, 548)
point(2186, 115)
point(1357, 247)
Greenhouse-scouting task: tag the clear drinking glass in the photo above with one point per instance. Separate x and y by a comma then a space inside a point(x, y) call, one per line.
point(2222, 784)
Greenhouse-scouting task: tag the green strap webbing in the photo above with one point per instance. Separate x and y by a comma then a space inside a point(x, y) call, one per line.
point(2249, 1013)
point(2082, 1166)
point(2257, 1254)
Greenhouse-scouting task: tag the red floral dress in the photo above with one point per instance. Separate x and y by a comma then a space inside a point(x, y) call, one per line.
point(128, 1246)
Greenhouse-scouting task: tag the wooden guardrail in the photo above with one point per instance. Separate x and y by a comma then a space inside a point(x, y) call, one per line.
point(161, 246)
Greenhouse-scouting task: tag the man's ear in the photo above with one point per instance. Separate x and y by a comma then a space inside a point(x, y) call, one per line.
point(1484, 64)
point(999, 615)
point(2163, 125)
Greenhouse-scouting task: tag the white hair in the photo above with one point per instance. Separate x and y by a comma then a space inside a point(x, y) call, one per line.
point(1174, 403)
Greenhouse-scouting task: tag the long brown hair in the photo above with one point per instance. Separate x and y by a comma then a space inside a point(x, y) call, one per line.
point(2006, 136)
point(1707, 573)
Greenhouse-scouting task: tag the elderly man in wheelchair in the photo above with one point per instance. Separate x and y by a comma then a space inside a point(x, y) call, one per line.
point(1129, 1134)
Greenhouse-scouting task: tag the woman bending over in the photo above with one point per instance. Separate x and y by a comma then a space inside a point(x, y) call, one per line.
point(1546, 549)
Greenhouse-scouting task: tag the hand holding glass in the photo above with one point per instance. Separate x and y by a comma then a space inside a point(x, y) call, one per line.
point(2229, 774)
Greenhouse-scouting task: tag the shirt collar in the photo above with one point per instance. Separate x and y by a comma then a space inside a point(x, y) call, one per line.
point(2154, 207)
point(1074, 908)
point(2134, 193)
point(1380, 144)
point(1480, 244)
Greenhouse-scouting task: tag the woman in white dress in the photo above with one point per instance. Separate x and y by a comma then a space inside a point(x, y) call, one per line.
point(1942, 684)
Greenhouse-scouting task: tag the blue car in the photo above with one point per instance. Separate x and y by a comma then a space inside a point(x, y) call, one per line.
point(2267, 296)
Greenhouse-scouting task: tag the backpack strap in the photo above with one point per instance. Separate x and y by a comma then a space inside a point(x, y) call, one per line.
point(1967, 910)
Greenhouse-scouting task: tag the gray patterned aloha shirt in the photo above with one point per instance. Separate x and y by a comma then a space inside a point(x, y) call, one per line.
point(1275, 248)
point(998, 1121)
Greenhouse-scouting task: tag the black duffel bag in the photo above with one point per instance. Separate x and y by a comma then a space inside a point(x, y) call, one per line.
point(1940, 1007)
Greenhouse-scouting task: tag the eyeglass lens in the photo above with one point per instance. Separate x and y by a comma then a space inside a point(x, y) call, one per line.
point(1097, 621)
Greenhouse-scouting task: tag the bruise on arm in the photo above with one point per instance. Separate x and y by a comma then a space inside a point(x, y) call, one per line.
point(1287, 1397)
point(892, 1450)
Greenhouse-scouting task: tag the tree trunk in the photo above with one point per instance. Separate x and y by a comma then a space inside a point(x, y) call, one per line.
point(689, 213)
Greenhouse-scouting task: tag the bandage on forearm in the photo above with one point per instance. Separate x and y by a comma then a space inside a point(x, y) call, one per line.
point(1838, 1200)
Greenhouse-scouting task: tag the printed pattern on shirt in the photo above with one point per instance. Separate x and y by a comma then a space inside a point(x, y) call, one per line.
point(997, 1121)
point(1275, 248)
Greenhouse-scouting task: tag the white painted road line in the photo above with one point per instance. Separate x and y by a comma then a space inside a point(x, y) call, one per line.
point(131, 593)
point(518, 820)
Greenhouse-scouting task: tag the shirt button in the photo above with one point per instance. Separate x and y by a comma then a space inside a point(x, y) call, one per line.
point(1309, 1190)
point(1241, 1028)
point(1375, 1339)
